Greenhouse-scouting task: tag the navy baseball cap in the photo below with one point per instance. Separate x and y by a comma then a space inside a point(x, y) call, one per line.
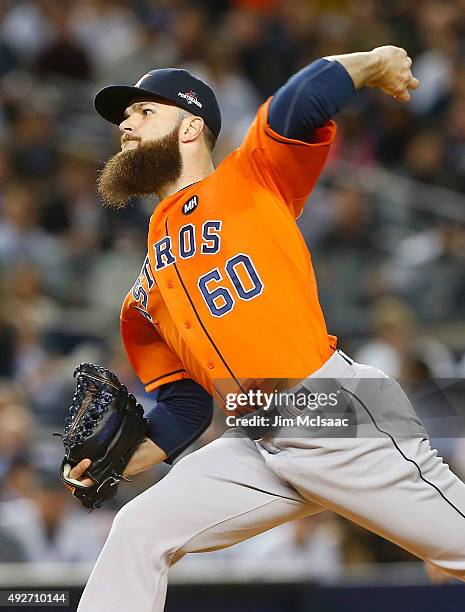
point(173, 84)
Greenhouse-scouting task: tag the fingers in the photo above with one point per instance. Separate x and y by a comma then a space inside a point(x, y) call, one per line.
point(414, 83)
point(87, 482)
point(396, 78)
point(78, 471)
point(409, 82)
point(403, 96)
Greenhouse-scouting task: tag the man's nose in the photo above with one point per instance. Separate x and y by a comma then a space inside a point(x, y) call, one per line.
point(125, 127)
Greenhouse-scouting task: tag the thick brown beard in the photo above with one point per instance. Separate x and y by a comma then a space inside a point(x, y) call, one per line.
point(140, 172)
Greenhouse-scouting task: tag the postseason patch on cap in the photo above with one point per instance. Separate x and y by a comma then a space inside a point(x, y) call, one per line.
point(190, 97)
point(190, 205)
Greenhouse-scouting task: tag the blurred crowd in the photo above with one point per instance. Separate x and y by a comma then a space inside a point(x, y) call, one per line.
point(386, 226)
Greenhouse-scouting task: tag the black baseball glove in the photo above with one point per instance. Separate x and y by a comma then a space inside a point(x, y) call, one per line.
point(105, 424)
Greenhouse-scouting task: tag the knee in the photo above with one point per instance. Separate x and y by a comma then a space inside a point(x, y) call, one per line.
point(125, 530)
point(133, 521)
point(137, 529)
point(126, 519)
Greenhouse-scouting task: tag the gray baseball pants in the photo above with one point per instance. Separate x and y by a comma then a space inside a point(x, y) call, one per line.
point(235, 488)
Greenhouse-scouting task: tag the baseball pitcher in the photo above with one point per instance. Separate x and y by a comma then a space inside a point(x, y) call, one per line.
point(227, 292)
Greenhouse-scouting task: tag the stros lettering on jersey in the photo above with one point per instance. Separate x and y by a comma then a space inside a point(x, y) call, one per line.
point(227, 289)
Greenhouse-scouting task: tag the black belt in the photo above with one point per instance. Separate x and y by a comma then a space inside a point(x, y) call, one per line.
point(261, 420)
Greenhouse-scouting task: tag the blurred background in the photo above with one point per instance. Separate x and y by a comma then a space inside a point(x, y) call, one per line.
point(386, 228)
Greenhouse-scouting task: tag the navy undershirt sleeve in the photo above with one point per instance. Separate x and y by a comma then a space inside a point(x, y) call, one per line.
point(182, 412)
point(310, 98)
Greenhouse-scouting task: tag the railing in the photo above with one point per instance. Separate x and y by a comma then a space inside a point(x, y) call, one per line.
point(399, 190)
point(221, 571)
point(267, 587)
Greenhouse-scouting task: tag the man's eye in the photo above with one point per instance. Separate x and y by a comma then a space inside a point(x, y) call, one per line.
point(147, 111)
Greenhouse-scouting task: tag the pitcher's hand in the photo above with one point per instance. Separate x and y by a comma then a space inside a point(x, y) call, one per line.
point(78, 472)
point(394, 76)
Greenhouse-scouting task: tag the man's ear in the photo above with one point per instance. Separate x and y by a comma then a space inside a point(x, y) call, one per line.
point(191, 129)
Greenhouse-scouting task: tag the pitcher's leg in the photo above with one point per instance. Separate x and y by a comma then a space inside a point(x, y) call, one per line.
point(388, 480)
point(213, 498)
point(400, 490)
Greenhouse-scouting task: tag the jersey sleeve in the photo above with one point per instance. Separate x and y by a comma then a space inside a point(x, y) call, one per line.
point(288, 167)
point(149, 355)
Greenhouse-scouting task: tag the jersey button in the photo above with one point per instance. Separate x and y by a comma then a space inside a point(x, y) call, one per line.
point(169, 284)
point(211, 365)
point(187, 324)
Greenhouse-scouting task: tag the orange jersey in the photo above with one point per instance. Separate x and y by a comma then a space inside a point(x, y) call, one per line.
point(227, 290)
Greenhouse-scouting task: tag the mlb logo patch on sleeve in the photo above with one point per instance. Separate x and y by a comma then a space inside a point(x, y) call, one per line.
point(190, 205)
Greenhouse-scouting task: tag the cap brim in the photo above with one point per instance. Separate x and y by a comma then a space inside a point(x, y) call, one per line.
point(111, 102)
